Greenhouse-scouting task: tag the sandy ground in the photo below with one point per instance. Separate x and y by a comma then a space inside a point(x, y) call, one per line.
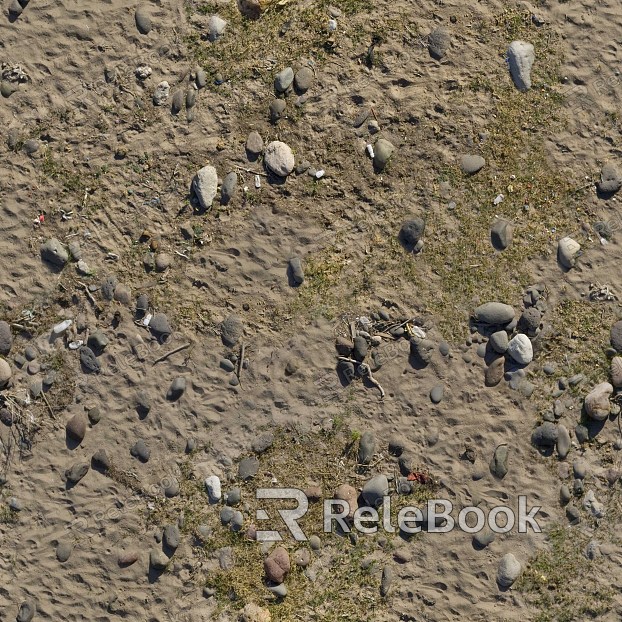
point(121, 169)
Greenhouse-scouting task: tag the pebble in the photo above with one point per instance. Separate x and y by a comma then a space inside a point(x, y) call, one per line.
point(277, 108)
point(161, 93)
point(443, 348)
point(216, 27)
point(233, 497)
point(581, 433)
point(26, 612)
point(494, 372)
point(227, 365)
point(367, 447)
point(53, 252)
point(573, 515)
point(6, 338)
point(521, 56)
point(205, 186)
point(162, 262)
point(127, 558)
point(439, 43)
point(228, 188)
point(76, 428)
point(64, 551)
point(177, 102)
point(109, 284)
point(616, 372)
point(386, 580)
point(471, 164)
point(176, 390)
point(499, 341)
point(76, 472)
point(160, 326)
point(567, 251)
point(201, 78)
point(143, 21)
point(616, 336)
point(436, 394)
point(501, 234)
point(237, 521)
point(494, 313)
point(171, 536)
point(231, 330)
point(31, 146)
point(563, 442)
point(213, 488)
point(5, 373)
point(278, 590)
point(520, 349)
point(172, 489)
point(411, 233)
point(262, 443)
point(545, 435)
point(508, 571)
point(499, 463)
point(596, 403)
point(141, 451)
point(15, 504)
point(101, 460)
point(610, 180)
point(375, 489)
point(248, 468)
point(279, 158)
point(303, 79)
point(97, 341)
point(254, 144)
point(483, 538)
point(383, 150)
point(283, 80)
point(277, 565)
point(359, 351)
point(89, 361)
point(158, 559)
point(296, 270)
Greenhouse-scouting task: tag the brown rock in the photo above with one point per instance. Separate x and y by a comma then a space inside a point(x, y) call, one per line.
point(277, 565)
point(127, 558)
point(494, 372)
point(597, 405)
point(254, 613)
point(347, 493)
point(616, 371)
point(343, 346)
point(76, 428)
point(313, 493)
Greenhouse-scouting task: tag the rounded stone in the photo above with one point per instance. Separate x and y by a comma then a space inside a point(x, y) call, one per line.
point(383, 150)
point(279, 158)
point(520, 349)
point(596, 403)
point(470, 164)
point(143, 21)
point(494, 313)
point(5, 373)
point(508, 571)
point(303, 79)
point(283, 80)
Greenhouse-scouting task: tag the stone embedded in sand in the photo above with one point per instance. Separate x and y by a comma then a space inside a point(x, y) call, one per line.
point(205, 186)
point(5, 373)
point(529, 321)
point(501, 234)
point(499, 463)
point(470, 164)
point(141, 451)
point(567, 250)
point(296, 271)
point(509, 570)
point(439, 43)
point(64, 551)
point(563, 441)
point(76, 427)
point(231, 330)
point(89, 361)
point(283, 80)
point(499, 341)
point(383, 150)
point(616, 336)
point(359, 351)
point(367, 447)
point(26, 612)
point(53, 252)
point(596, 403)
point(521, 56)
point(171, 536)
point(411, 232)
point(177, 102)
point(101, 461)
point(520, 349)
point(76, 472)
point(160, 326)
point(545, 435)
point(610, 180)
point(494, 314)
point(127, 558)
point(161, 93)
point(348, 493)
point(216, 27)
point(158, 559)
point(279, 158)
point(177, 389)
point(229, 186)
point(375, 490)
point(143, 21)
point(303, 79)
point(248, 467)
point(277, 565)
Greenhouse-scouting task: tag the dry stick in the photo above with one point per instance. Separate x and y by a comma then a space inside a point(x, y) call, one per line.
point(248, 170)
point(45, 399)
point(240, 362)
point(367, 375)
point(88, 294)
point(165, 356)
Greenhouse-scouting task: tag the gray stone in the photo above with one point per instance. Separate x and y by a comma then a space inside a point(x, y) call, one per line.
point(421, 349)
point(233, 497)
point(141, 451)
point(262, 443)
point(303, 79)
point(171, 536)
point(201, 78)
point(177, 102)
point(161, 93)
point(563, 441)
point(383, 150)
point(279, 158)
point(576, 380)
point(616, 336)
point(229, 186)
point(499, 462)
point(160, 326)
point(499, 341)
point(296, 271)
point(143, 21)
point(508, 571)
point(216, 27)
point(597, 405)
point(501, 234)
point(436, 394)
point(439, 43)
point(89, 361)
point(483, 538)
point(205, 186)
point(101, 460)
point(283, 80)
point(564, 494)
point(231, 330)
point(573, 515)
point(386, 580)
point(248, 468)
point(76, 472)
point(494, 313)
point(237, 521)
point(227, 365)
point(254, 144)
point(76, 428)
point(6, 337)
point(172, 489)
point(375, 489)
point(53, 252)
point(411, 232)
point(567, 252)
point(579, 468)
point(521, 56)
point(610, 180)
point(277, 108)
point(581, 433)
point(64, 551)
point(359, 351)
point(177, 389)
point(494, 372)
point(158, 559)
point(108, 286)
point(529, 321)
point(367, 447)
point(26, 612)
point(616, 372)
point(97, 341)
point(545, 435)
point(470, 164)
point(31, 146)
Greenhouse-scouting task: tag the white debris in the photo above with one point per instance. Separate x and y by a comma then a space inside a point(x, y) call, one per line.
point(370, 151)
point(60, 328)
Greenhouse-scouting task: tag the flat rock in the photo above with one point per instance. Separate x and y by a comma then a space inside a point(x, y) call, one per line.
point(279, 158)
point(248, 468)
point(494, 313)
point(89, 361)
point(367, 447)
point(53, 252)
point(439, 43)
point(471, 164)
point(76, 472)
point(160, 326)
point(26, 612)
point(216, 27)
point(205, 186)
point(254, 144)
point(521, 56)
point(229, 186)
point(411, 232)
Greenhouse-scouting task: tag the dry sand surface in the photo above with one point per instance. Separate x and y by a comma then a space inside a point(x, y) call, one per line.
point(194, 351)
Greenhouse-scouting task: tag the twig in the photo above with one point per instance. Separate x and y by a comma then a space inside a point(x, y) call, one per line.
point(182, 255)
point(88, 294)
point(240, 362)
point(165, 356)
point(248, 170)
point(47, 403)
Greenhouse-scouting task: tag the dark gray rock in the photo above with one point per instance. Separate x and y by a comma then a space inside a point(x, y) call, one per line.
point(143, 21)
point(499, 341)
point(367, 447)
point(176, 390)
point(177, 102)
point(499, 462)
point(581, 433)
point(345, 369)
point(160, 326)
point(141, 451)
point(375, 490)
point(54, 253)
point(483, 538)
point(143, 403)
point(439, 43)
point(360, 348)
point(283, 80)
point(6, 338)
point(233, 497)
point(228, 188)
point(26, 612)
point(610, 180)
point(411, 232)
point(529, 321)
point(545, 435)
point(616, 336)
point(501, 234)
point(76, 472)
point(248, 468)
point(89, 361)
point(494, 314)
point(101, 461)
point(421, 349)
point(254, 144)
point(263, 442)
point(277, 108)
point(296, 271)
point(303, 79)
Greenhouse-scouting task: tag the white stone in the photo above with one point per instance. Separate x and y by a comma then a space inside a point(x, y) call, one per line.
point(597, 404)
point(279, 158)
point(161, 93)
point(61, 327)
point(216, 26)
point(521, 57)
point(520, 349)
point(214, 490)
point(205, 186)
point(567, 250)
point(509, 570)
